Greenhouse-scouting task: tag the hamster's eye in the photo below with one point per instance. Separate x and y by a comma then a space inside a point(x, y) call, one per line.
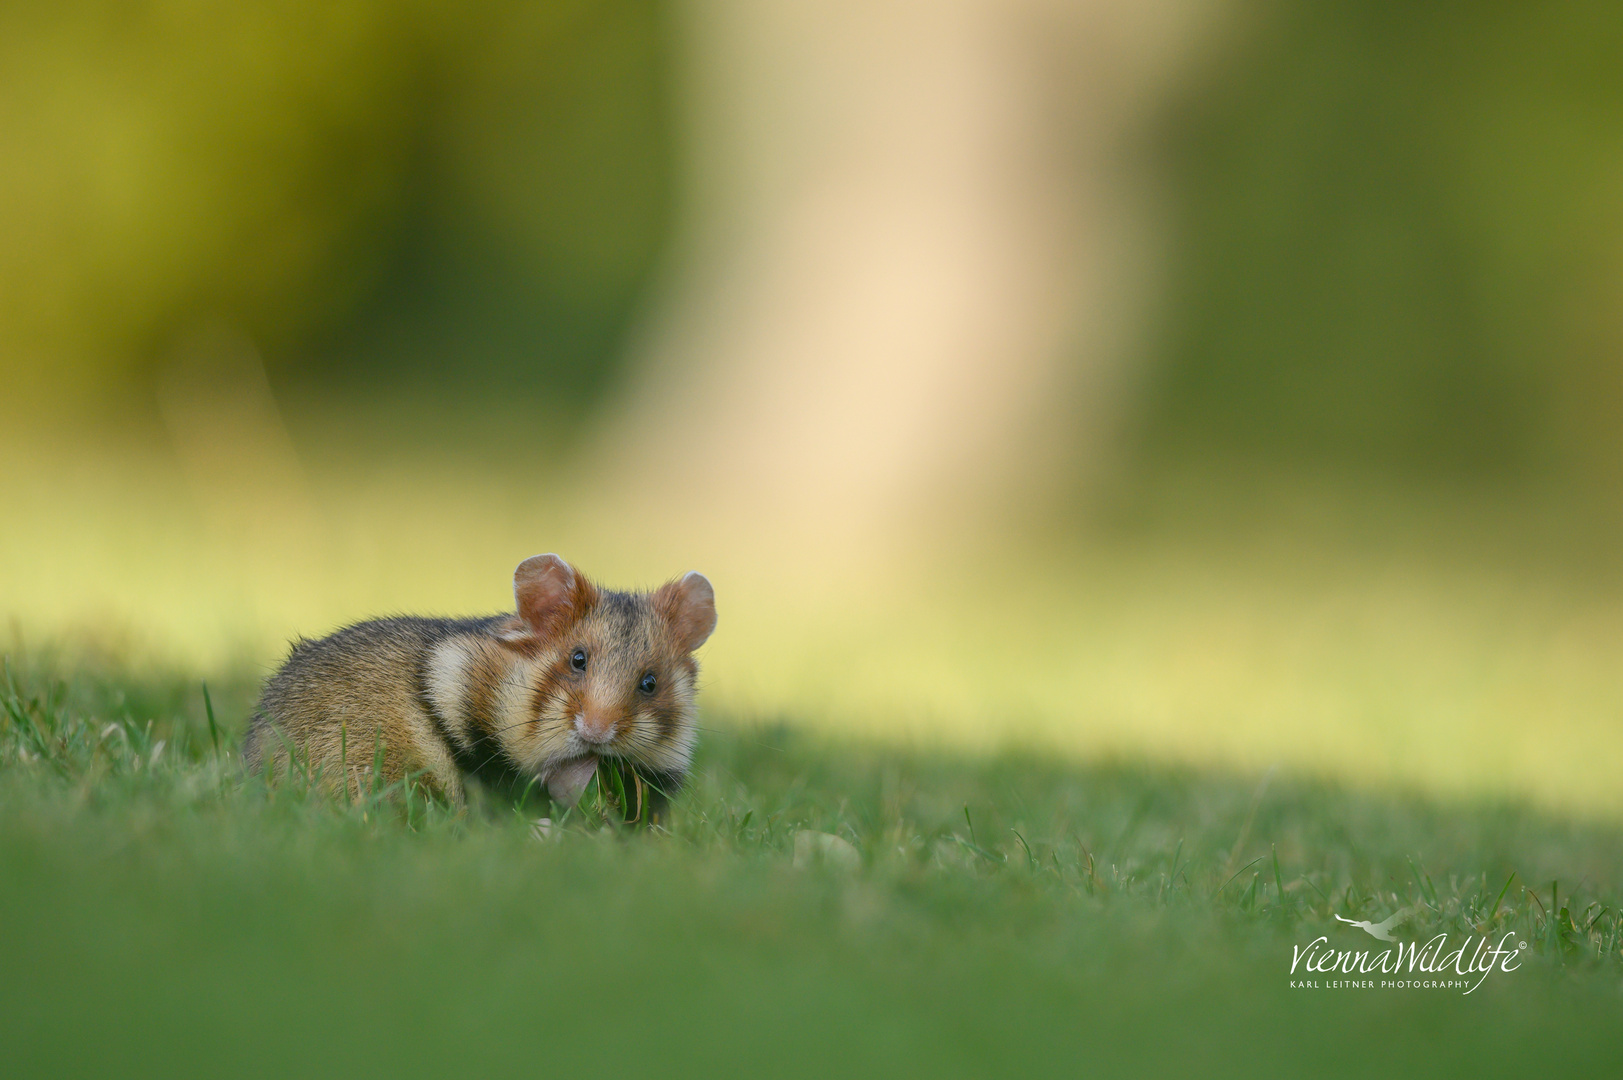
point(577, 660)
point(648, 684)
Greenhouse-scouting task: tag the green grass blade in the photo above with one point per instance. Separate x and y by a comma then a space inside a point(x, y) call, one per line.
point(214, 728)
point(1495, 909)
point(1236, 874)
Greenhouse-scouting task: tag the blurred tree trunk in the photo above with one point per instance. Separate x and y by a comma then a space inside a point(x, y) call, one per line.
point(915, 248)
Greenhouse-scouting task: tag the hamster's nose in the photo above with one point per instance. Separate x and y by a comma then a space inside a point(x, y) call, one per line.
point(594, 729)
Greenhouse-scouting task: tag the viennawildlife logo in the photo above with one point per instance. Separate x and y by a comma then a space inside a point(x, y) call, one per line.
point(1436, 964)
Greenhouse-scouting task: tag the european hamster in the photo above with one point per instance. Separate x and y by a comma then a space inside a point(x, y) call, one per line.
point(578, 673)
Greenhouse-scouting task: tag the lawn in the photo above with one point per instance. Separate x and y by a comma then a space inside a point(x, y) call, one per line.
point(1008, 913)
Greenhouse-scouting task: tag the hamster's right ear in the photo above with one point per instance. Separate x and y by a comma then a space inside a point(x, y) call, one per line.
point(550, 594)
point(689, 603)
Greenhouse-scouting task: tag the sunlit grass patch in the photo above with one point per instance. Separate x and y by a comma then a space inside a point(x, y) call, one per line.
point(1412, 663)
point(1400, 642)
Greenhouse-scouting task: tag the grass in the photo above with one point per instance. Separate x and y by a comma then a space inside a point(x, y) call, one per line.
point(1010, 914)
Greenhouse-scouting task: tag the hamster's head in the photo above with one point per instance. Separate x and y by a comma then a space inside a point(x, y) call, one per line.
point(609, 675)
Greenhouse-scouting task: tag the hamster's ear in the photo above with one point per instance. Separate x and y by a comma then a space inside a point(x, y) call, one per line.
point(689, 603)
point(550, 594)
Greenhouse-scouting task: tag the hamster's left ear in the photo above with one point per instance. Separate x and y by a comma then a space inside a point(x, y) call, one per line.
point(689, 604)
point(549, 594)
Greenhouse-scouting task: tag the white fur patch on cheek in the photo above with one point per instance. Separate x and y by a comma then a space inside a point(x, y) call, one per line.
point(549, 742)
point(511, 706)
point(676, 753)
point(446, 677)
point(512, 701)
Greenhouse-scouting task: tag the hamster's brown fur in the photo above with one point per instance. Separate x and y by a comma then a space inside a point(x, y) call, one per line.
point(577, 674)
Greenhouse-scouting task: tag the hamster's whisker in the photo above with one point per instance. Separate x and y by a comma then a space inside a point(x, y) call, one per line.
point(521, 723)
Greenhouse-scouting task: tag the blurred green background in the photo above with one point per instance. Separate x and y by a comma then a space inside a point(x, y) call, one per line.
point(1397, 243)
point(1393, 244)
point(435, 193)
point(314, 311)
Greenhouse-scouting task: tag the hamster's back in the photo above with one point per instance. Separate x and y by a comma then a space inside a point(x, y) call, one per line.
point(335, 699)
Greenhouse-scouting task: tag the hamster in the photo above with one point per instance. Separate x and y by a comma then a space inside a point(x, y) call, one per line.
point(576, 675)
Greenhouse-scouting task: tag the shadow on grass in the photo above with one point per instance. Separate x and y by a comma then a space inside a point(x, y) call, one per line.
point(1010, 914)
